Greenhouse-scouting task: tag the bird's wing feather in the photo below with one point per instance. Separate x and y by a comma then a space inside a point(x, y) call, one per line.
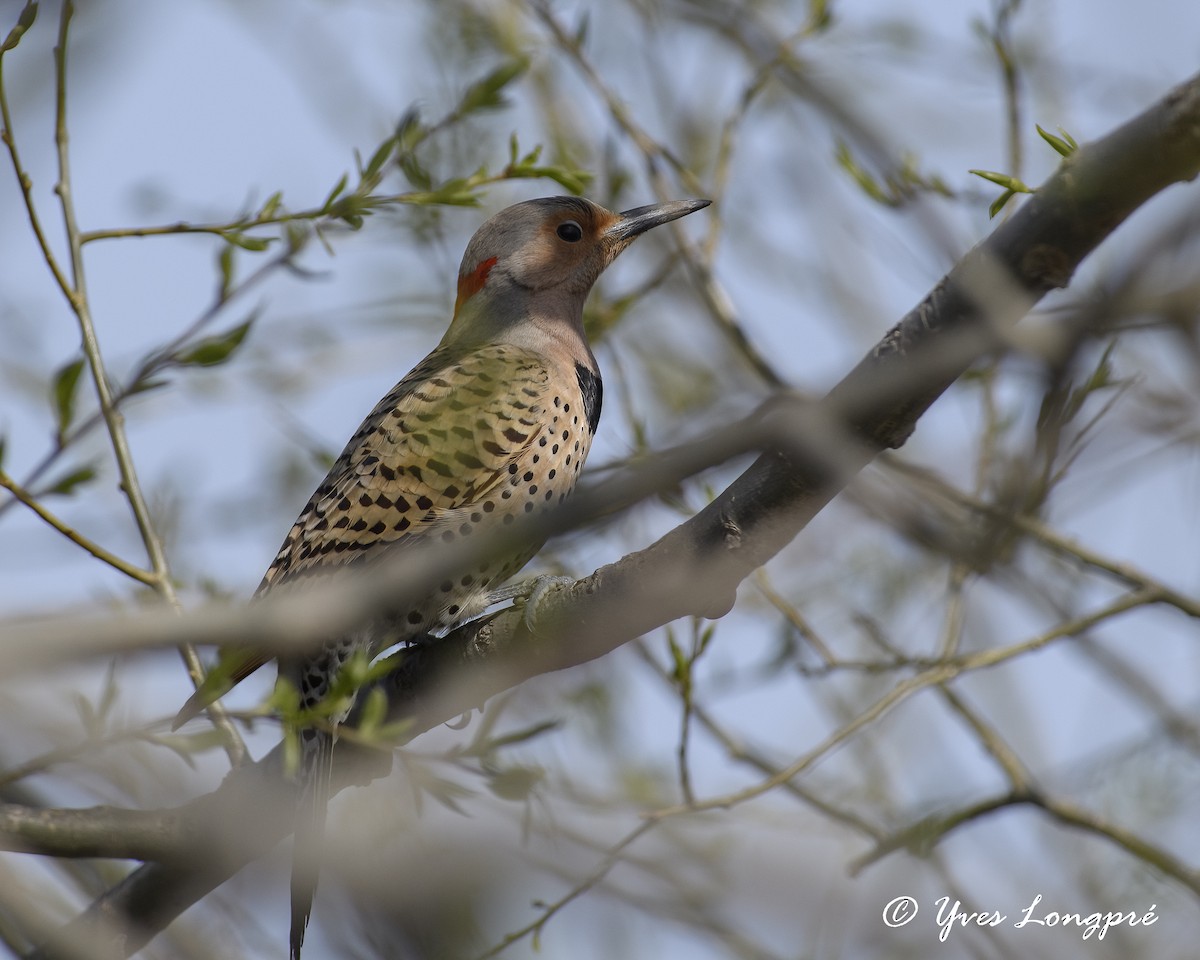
point(442, 441)
point(434, 451)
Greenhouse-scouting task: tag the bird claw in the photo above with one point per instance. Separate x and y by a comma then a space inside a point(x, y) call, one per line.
point(529, 594)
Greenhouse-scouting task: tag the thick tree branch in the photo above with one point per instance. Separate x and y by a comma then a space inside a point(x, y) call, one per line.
point(695, 569)
point(97, 832)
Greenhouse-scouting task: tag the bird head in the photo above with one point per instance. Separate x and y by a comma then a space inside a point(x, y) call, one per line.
point(540, 258)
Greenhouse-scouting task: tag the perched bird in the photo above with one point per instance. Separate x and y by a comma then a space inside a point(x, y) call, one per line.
point(494, 424)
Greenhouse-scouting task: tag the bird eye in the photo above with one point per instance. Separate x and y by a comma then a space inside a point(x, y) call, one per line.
point(570, 231)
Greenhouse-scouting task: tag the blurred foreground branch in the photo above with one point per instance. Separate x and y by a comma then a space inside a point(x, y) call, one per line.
point(696, 569)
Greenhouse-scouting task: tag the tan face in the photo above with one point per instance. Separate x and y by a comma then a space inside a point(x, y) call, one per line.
point(556, 245)
point(564, 246)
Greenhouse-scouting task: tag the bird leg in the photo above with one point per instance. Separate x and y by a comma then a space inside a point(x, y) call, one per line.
point(529, 594)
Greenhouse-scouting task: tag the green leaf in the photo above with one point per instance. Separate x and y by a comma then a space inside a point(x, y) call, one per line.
point(284, 699)
point(218, 681)
point(581, 31)
point(1065, 401)
point(447, 792)
point(489, 745)
point(1102, 376)
point(410, 131)
point(87, 716)
point(66, 385)
point(1065, 144)
point(3, 446)
point(417, 175)
point(679, 669)
point(187, 745)
point(515, 783)
point(225, 266)
point(108, 693)
point(381, 156)
point(486, 93)
point(66, 485)
point(531, 158)
point(271, 207)
point(24, 22)
point(352, 207)
point(410, 134)
point(291, 751)
point(897, 185)
point(396, 731)
point(573, 179)
point(335, 192)
point(216, 349)
point(373, 713)
point(254, 244)
point(146, 385)
point(1002, 180)
point(999, 202)
point(819, 15)
point(297, 235)
point(1012, 185)
point(455, 193)
point(865, 180)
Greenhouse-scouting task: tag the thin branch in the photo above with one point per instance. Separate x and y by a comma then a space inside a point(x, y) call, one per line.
point(26, 183)
point(740, 753)
point(922, 836)
point(712, 293)
point(77, 295)
point(1075, 816)
point(1050, 539)
point(109, 409)
point(319, 215)
point(794, 617)
point(937, 674)
point(153, 364)
point(685, 679)
point(1001, 40)
point(22, 495)
point(534, 929)
point(680, 904)
point(999, 750)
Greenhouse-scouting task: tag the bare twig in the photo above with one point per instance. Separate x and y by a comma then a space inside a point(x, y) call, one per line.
point(712, 293)
point(534, 929)
point(21, 495)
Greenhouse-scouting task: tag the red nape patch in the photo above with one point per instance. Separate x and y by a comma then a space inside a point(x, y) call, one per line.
point(471, 283)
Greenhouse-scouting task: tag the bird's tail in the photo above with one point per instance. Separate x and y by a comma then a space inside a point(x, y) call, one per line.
point(313, 776)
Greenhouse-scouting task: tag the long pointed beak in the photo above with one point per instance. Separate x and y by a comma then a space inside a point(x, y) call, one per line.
point(633, 223)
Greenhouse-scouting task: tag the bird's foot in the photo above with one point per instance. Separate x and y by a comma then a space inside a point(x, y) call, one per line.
point(529, 594)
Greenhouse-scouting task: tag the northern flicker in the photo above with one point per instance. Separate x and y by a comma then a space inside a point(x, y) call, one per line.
point(494, 424)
